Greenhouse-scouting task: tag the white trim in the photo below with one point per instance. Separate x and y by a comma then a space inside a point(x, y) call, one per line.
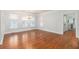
point(50, 31)
point(77, 36)
point(19, 30)
point(1, 42)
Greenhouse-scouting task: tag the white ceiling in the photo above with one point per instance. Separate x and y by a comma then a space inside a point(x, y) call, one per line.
point(26, 11)
point(29, 11)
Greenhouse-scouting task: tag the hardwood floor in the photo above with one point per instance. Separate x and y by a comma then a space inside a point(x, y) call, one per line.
point(39, 39)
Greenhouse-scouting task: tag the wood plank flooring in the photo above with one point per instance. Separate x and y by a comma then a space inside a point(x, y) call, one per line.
point(38, 39)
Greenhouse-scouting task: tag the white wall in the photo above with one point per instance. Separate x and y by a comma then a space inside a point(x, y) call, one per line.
point(3, 23)
point(52, 21)
point(77, 24)
point(0, 22)
point(1, 29)
point(5, 20)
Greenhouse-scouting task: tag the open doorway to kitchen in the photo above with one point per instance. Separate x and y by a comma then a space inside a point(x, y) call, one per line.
point(69, 22)
point(69, 29)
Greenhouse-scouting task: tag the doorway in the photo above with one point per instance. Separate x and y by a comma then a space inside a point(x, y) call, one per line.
point(69, 22)
point(70, 30)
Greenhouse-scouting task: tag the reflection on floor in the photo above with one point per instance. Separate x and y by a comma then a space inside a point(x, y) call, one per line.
point(39, 39)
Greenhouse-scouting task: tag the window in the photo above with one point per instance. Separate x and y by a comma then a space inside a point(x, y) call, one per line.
point(28, 21)
point(24, 22)
point(13, 24)
point(32, 22)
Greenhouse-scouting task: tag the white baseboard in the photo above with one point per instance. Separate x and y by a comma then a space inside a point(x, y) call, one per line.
point(51, 31)
point(19, 30)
